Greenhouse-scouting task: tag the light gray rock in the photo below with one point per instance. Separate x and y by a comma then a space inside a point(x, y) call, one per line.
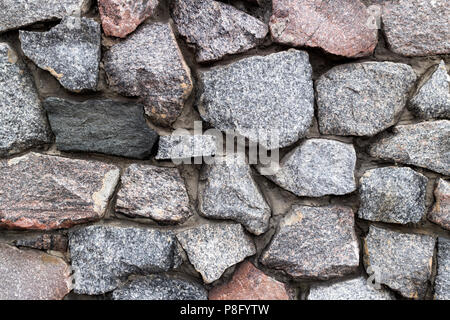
point(186, 146)
point(440, 214)
point(442, 282)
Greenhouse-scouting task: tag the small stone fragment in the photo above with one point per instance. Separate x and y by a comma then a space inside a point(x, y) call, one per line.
point(425, 144)
point(362, 99)
point(70, 51)
point(316, 243)
point(267, 99)
point(441, 209)
point(214, 248)
point(400, 261)
point(55, 242)
point(103, 126)
point(186, 146)
point(43, 192)
point(392, 195)
point(442, 282)
point(249, 283)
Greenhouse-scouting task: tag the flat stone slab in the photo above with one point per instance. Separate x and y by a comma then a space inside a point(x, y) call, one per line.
point(149, 64)
point(442, 282)
point(424, 144)
point(317, 243)
point(22, 120)
point(216, 29)
point(186, 146)
point(214, 248)
point(47, 241)
point(267, 99)
point(46, 192)
point(362, 99)
point(440, 214)
point(104, 256)
point(71, 52)
point(392, 195)
point(32, 275)
point(153, 192)
point(401, 261)
point(340, 27)
point(103, 126)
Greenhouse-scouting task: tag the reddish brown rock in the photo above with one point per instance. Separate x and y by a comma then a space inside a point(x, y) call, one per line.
point(340, 27)
point(441, 209)
point(249, 283)
point(46, 192)
point(32, 275)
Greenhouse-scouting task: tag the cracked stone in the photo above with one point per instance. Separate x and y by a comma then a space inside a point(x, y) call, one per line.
point(440, 214)
point(442, 282)
point(186, 146)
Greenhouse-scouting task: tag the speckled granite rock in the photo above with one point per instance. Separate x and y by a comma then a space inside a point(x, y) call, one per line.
point(186, 146)
point(55, 242)
point(70, 52)
point(32, 275)
point(229, 192)
point(103, 126)
point(22, 120)
point(432, 100)
point(249, 283)
point(417, 27)
point(20, 13)
point(314, 243)
point(339, 26)
point(120, 18)
point(160, 287)
point(47, 192)
point(400, 261)
point(392, 195)
point(424, 144)
point(355, 289)
point(149, 65)
point(318, 167)
point(260, 97)
point(153, 192)
point(362, 99)
point(442, 282)
point(441, 209)
point(104, 256)
point(216, 29)
point(214, 248)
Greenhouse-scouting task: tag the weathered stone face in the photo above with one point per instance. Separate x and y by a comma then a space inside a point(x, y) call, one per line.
point(442, 282)
point(186, 146)
point(55, 242)
point(47, 192)
point(440, 214)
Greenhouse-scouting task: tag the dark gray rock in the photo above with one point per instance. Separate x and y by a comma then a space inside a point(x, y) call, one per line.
point(440, 214)
point(442, 282)
point(401, 261)
point(186, 146)
point(47, 241)
point(22, 120)
point(362, 99)
point(104, 256)
point(70, 52)
point(216, 29)
point(268, 99)
point(314, 243)
point(103, 126)
point(425, 144)
point(392, 195)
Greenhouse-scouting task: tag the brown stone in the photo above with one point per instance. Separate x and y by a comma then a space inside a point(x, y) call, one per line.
point(46, 192)
point(441, 209)
point(56, 242)
point(249, 283)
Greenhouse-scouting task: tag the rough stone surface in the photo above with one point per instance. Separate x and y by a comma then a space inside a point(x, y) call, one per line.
point(104, 256)
point(362, 99)
point(400, 261)
point(32, 275)
point(442, 282)
point(149, 65)
point(186, 146)
point(214, 248)
point(318, 167)
point(229, 192)
point(153, 192)
point(425, 144)
point(249, 283)
point(55, 242)
point(314, 243)
point(340, 27)
point(20, 13)
point(103, 126)
point(392, 195)
point(440, 214)
point(70, 51)
point(160, 287)
point(417, 27)
point(216, 29)
point(120, 18)
point(47, 192)
point(355, 289)
point(22, 119)
point(432, 100)
point(260, 97)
